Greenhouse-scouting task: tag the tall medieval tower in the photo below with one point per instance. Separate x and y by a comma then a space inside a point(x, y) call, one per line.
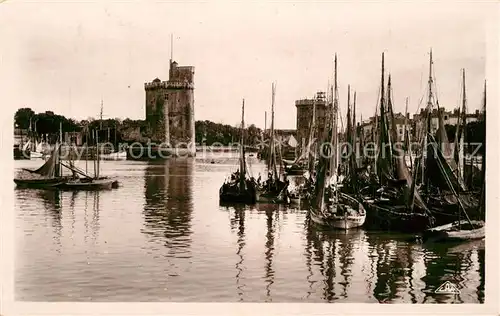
point(170, 108)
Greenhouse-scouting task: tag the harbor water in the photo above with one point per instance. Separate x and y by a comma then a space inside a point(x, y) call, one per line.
point(163, 237)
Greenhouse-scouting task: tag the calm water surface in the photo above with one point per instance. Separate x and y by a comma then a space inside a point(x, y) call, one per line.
point(162, 236)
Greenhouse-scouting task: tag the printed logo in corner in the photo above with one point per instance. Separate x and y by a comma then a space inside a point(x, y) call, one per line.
point(447, 288)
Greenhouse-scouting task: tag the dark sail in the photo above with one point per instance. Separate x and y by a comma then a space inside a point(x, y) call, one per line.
point(50, 168)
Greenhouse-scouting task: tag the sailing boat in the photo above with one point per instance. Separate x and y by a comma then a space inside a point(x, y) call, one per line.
point(118, 153)
point(49, 175)
point(84, 181)
point(305, 161)
point(241, 187)
point(273, 190)
point(391, 198)
point(332, 207)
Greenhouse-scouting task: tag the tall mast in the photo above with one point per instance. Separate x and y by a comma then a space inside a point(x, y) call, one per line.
point(463, 138)
point(265, 122)
point(348, 130)
point(273, 154)
point(334, 159)
point(100, 115)
point(381, 121)
point(354, 132)
point(427, 126)
point(242, 147)
point(429, 98)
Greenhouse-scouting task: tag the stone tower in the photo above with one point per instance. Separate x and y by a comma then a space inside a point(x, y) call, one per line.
point(305, 113)
point(170, 108)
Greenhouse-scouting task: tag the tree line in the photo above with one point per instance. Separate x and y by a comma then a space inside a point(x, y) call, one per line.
point(50, 123)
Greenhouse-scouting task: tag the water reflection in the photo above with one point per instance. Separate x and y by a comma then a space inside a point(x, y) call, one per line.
point(190, 249)
point(168, 205)
point(271, 214)
point(238, 223)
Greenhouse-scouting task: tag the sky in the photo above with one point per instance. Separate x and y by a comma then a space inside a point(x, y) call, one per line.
point(67, 56)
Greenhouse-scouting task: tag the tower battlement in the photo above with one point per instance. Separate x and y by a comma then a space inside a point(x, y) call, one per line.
point(168, 85)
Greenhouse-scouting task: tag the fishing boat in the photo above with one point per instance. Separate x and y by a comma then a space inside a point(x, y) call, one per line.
point(119, 155)
point(274, 189)
point(457, 231)
point(241, 188)
point(332, 207)
point(83, 181)
point(49, 175)
point(389, 191)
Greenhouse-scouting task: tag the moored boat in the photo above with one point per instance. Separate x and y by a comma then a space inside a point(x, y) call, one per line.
point(241, 188)
point(274, 189)
point(463, 230)
point(49, 175)
point(119, 155)
point(102, 183)
point(346, 213)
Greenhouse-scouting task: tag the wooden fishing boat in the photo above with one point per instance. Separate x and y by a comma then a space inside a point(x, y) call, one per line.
point(42, 182)
point(49, 175)
point(332, 207)
point(463, 230)
point(84, 181)
point(240, 188)
point(102, 183)
point(274, 189)
point(345, 213)
point(273, 194)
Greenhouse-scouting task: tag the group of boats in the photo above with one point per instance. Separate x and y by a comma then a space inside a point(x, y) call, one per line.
point(429, 191)
point(52, 175)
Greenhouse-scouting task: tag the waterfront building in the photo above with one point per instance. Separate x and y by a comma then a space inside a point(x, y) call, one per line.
point(170, 108)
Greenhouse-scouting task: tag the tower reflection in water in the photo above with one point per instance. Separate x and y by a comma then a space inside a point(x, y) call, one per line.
point(168, 206)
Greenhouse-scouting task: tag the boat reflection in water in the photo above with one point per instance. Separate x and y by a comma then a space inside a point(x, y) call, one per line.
point(164, 237)
point(355, 265)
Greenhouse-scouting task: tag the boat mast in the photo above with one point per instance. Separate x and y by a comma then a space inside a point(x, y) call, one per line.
point(59, 169)
point(334, 138)
point(354, 133)
point(425, 179)
point(273, 153)
point(463, 138)
point(242, 148)
point(406, 136)
point(381, 123)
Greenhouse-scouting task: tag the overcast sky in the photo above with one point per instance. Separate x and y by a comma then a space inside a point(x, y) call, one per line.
point(65, 56)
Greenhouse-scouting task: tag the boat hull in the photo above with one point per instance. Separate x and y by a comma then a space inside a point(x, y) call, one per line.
point(41, 183)
point(114, 156)
point(340, 222)
point(450, 232)
point(347, 213)
point(228, 194)
point(265, 197)
point(93, 184)
point(385, 218)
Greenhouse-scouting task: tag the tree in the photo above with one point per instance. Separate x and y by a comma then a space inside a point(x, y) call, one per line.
point(22, 117)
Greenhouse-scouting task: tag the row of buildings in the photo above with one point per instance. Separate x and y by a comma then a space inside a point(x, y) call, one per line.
point(323, 110)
